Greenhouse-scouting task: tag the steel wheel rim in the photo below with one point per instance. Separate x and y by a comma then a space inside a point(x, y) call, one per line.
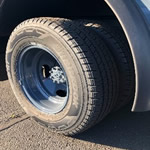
point(42, 79)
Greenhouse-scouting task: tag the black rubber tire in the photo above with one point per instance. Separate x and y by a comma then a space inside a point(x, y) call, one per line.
point(114, 37)
point(91, 72)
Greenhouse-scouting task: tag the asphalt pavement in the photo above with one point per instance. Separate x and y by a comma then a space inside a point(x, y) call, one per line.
point(120, 130)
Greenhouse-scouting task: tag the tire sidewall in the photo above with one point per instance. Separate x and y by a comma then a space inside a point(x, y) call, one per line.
point(77, 101)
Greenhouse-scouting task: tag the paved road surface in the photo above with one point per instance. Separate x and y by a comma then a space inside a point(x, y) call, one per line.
point(120, 130)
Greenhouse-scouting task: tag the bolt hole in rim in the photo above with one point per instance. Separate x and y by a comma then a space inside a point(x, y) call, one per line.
point(42, 79)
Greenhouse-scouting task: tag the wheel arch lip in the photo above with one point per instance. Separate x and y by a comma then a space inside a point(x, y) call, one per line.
point(137, 32)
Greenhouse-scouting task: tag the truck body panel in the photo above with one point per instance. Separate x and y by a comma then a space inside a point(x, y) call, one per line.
point(136, 27)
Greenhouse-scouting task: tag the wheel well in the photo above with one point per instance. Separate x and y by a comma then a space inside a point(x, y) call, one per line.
point(16, 11)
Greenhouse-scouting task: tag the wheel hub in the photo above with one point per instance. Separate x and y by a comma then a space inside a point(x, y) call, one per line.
point(43, 79)
point(57, 75)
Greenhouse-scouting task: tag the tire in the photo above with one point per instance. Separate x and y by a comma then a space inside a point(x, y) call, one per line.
point(88, 68)
point(114, 38)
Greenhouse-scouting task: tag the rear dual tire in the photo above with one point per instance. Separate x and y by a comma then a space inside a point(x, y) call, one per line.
point(90, 71)
point(112, 34)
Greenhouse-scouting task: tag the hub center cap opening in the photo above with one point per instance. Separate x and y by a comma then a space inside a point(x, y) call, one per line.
point(45, 71)
point(61, 93)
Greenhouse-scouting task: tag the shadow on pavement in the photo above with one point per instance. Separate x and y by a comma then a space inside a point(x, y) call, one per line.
point(122, 129)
